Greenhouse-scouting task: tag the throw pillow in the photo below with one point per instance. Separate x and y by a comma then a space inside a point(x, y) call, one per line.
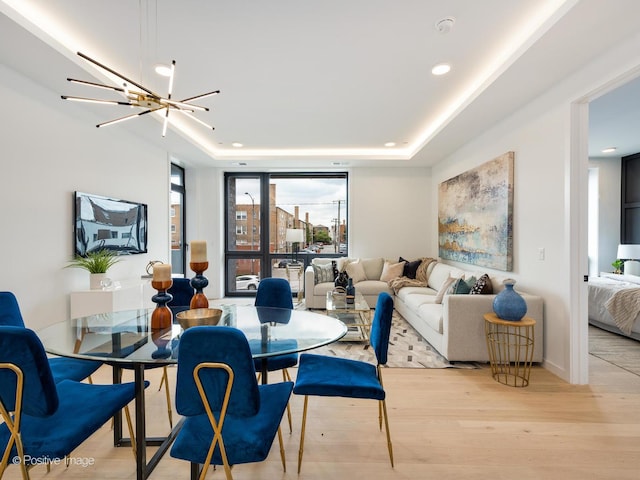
point(323, 273)
point(443, 289)
point(355, 271)
point(391, 271)
point(459, 287)
point(471, 281)
point(410, 268)
point(483, 286)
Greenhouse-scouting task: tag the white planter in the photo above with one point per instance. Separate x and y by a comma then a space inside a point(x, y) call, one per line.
point(95, 280)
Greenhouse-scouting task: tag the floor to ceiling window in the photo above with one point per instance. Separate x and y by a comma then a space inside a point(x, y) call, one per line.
point(177, 220)
point(276, 223)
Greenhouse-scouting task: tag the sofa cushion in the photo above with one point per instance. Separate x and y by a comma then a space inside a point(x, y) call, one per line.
point(321, 289)
point(372, 287)
point(440, 272)
point(342, 262)
point(322, 260)
point(443, 288)
point(410, 268)
point(431, 314)
point(355, 270)
point(323, 273)
point(415, 301)
point(404, 292)
point(391, 271)
point(372, 267)
point(483, 286)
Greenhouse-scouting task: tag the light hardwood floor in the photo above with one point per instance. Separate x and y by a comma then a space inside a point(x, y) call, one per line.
point(445, 424)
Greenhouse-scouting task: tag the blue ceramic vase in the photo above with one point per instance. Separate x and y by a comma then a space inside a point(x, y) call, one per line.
point(509, 304)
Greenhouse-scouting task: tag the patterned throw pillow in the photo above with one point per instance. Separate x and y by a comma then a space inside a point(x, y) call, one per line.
point(483, 286)
point(323, 273)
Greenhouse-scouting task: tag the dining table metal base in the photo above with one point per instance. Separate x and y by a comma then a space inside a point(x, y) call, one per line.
point(143, 468)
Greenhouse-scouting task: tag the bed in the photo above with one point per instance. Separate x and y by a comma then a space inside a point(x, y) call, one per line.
point(614, 304)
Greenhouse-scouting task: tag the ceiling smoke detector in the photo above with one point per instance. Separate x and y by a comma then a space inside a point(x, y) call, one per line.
point(445, 25)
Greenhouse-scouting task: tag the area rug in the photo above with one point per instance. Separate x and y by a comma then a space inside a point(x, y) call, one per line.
point(620, 351)
point(407, 349)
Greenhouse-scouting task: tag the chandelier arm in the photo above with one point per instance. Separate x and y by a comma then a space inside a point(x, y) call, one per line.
point(204, 95)
point(96, 100)
point(98, 85)
point(113, 72)
point(128, 117)
point(193, 117)
point(165, 123)
point(184, 106)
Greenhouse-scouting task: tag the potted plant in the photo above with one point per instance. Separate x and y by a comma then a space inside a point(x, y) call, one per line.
point(617, 265)
point(96, 263)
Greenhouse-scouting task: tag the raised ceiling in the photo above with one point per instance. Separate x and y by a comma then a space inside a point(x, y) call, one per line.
point(314, 84)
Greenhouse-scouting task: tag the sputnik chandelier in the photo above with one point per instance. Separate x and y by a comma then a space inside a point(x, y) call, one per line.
point(141, 97)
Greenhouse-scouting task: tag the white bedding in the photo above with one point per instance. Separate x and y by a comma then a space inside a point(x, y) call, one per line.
point(601, 289)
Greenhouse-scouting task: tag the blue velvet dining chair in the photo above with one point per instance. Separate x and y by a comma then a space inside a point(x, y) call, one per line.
point(45, 420)
point(182, 293)
point(62, 368)
point(276, 293)
point(340, 377)
point(229, 418)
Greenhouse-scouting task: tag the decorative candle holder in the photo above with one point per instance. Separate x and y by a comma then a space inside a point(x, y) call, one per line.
point(199, 282)
point(161, 317)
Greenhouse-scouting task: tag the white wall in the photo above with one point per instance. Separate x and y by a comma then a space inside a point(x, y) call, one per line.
point(547, 212)
point(609, 170)
point(538, 215)
point(49, 150)
point(389, 213)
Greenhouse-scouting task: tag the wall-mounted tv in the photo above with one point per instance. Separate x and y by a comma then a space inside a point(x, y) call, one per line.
point(103, 223)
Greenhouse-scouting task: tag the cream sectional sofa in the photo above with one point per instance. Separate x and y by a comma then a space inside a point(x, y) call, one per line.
point(454, 327)
point(315, 294)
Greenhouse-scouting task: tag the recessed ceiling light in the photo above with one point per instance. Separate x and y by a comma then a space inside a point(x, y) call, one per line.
point(163, 70)
point(390, 144)
point(609, 150)
point(237, 145)
point(441, 69)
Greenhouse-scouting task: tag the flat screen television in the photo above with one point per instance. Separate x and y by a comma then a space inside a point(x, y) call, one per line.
point(103, 223)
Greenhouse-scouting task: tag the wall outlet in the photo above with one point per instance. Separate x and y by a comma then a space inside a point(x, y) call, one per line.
point(541, 254)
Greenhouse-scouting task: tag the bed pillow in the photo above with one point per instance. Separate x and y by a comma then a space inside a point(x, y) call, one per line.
point(391, 271)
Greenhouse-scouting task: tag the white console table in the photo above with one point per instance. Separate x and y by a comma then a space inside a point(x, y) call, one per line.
point(125, 295)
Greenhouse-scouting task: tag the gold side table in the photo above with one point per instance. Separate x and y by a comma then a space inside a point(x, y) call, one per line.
point(510, 346)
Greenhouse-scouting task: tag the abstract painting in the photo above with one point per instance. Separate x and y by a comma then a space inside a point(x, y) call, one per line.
point(475, 215)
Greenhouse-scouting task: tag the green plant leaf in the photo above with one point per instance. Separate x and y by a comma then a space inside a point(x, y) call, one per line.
point(95, 262)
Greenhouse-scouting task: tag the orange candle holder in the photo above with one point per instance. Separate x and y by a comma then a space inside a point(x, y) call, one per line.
point(199, 282)
point(161, 317)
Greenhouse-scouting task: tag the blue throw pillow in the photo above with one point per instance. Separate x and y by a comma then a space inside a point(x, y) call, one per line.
point(459, 287)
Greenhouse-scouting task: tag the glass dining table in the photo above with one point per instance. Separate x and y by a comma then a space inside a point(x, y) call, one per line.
point(125, 339)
